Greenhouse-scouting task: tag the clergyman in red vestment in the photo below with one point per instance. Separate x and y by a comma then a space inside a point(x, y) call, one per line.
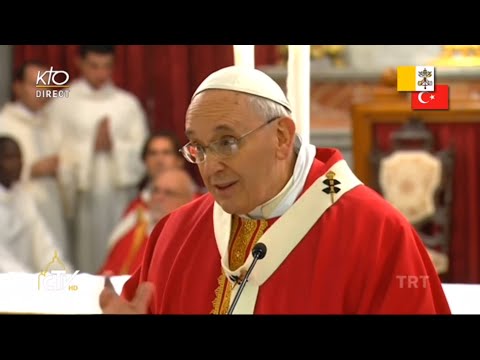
point(333, 245)
point(168, 190)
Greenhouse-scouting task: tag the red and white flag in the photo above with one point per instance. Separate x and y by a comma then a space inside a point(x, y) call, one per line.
point(431, 100)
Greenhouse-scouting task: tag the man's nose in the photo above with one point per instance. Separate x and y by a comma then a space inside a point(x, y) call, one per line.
point(212, 164)
point(161, 195)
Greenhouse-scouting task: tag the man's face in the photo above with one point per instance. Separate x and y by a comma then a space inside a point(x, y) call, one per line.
point(10, 163)
point(161, 156)
point(169, 191)
point(25, 90)
point(243, 181)
point(97, 68)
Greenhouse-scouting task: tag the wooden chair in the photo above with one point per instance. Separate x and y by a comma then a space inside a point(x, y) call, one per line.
point(418, 181)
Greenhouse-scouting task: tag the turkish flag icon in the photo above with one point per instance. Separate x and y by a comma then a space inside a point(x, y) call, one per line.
point(431, 100)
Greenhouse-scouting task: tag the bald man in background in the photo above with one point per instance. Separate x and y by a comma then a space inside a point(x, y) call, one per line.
point(169, 190)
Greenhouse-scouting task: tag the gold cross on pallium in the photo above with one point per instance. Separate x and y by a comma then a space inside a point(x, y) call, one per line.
point(331, 183)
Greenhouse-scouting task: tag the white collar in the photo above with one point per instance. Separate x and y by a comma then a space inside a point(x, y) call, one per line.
point(146, 194)
point(25, 110)
point(83, 87)
point(3, 191)
point(286, 197)
point(8, 194)
point(22, 112)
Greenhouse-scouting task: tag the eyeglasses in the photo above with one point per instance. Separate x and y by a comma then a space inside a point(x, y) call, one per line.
point(224, 147)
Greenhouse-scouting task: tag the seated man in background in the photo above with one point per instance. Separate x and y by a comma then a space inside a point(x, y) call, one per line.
point(159, 153)
point(169, 190)
point(26, 244)
point(25, 121)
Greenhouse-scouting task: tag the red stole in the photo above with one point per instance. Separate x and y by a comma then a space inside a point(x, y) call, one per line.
point(244, 235)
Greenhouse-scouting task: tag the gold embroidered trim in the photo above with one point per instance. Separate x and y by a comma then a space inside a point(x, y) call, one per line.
point(241, 242)
point(139, 236)
point(244, 234)
point(222, 296)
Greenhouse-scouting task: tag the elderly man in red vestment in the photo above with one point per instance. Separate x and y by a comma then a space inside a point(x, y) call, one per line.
point(168, 190)
point(333, 245)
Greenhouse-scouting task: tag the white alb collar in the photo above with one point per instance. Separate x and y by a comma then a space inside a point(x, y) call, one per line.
point(286, 197)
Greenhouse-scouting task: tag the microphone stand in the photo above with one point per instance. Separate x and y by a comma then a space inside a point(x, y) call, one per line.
point(259, 251)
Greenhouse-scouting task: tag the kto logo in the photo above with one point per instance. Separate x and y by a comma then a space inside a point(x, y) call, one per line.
point(52, 79)
point(56, 279)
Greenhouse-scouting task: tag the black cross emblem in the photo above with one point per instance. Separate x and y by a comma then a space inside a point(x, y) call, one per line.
point(331, 183)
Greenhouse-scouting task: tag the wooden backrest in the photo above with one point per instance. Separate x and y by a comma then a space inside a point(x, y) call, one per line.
point(397, 112)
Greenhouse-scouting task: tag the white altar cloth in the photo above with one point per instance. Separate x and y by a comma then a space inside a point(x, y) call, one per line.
point(32, 293)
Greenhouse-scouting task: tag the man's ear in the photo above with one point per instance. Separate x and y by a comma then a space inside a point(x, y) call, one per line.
point(285, 137)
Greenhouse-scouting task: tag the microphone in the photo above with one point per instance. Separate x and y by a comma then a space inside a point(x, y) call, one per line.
point(259, 251)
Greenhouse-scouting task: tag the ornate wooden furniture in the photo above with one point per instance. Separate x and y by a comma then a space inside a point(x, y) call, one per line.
point(374, 121)
point(417, 180)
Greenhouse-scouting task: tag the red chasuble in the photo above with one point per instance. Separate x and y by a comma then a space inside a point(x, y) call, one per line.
point(360, 257)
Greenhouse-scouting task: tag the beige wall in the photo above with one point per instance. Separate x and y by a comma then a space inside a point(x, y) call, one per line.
point(382, 56)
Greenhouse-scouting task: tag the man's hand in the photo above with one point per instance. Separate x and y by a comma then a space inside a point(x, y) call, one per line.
point(45, 167)
point(103, 141)
point(112, 303)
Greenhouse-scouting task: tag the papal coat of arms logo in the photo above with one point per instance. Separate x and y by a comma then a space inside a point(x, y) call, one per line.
point(424, 75)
